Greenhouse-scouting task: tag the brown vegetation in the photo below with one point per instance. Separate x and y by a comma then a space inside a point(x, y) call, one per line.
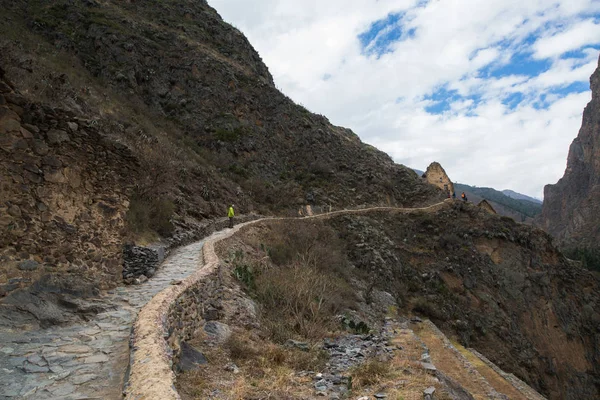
point(297, 278)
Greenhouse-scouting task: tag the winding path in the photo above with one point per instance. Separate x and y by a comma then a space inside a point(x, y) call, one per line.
point(89, 360)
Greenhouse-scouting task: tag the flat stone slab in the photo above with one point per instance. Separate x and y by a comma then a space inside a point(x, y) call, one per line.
point(78, 380)
point(75, 348)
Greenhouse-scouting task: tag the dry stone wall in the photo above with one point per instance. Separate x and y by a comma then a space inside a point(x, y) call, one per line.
point(171, 318)
point(63, 198)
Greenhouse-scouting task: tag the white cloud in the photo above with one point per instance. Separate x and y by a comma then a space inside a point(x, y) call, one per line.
point(578, 35)
point(479, 140)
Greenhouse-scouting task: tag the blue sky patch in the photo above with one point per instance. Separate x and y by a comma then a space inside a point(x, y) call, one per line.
point(519, 64)
point(513, 100)
point(579, 53)
point(380, 36)
point(442, 98)
point(575, 87)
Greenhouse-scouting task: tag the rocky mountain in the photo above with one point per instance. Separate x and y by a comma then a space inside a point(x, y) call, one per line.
point(144, 119)
point(520, 196)
point(571, 211)
point(126, 121)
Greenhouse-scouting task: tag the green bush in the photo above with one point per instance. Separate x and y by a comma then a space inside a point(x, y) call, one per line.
point(227, 135)
point(589, 257)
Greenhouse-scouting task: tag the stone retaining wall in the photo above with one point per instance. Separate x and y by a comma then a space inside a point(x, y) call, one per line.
point(174, 314)
point(171, 317)
point(141, 262)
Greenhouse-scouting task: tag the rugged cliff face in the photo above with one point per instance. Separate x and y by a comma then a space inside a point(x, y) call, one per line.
point(488, 282)
point(571, 210)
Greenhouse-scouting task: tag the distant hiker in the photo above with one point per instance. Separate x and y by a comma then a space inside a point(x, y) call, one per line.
point(454, 195)
point(464, 197)
point(231, 214)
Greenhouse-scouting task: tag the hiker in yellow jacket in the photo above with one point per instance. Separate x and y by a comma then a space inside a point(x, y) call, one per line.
point(231, 214)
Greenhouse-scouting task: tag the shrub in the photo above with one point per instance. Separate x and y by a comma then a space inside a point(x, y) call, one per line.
point(299, 300)
point(242, 271)
point(240, 349)
point(313, 244)
point(589, 257)
point(300, 286)
point(370, 372)
point(298, 360)
point(150, 216)
point(426, 308)
point(230, 136)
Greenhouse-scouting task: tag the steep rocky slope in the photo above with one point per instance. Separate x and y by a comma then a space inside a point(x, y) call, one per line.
point(127, 117)
point(571, 210)
point(499, 286)
point(175, 67)
point(492, 284)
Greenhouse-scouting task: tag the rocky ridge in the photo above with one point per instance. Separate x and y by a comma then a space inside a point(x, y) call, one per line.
point(571, 211)
point(491, 284)
point(205, 96)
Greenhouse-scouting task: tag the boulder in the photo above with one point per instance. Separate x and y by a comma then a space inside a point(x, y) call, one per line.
point(190, 359)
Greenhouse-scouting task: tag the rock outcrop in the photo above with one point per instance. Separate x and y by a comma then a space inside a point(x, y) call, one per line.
point(484, 204)
point(571, 210)
point(436, 175)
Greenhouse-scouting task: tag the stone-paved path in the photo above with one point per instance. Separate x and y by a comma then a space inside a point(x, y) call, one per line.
point(86, 360)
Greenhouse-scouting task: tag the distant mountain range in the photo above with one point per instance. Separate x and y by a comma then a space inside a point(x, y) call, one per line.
point(521, 210)
point(520, 196)
point(518, 206)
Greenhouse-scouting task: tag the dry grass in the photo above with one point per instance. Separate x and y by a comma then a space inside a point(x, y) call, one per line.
point(494, 379)
point(447, 361)
point(295, 275)
point(299, 301)
point(370, 373)
point(266, 371)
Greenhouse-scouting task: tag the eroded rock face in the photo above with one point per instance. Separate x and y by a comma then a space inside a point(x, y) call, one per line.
point(63, 199)
point(571, 210)
point(436, 175)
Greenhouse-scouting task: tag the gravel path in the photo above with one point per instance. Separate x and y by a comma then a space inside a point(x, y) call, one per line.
point(86, 360)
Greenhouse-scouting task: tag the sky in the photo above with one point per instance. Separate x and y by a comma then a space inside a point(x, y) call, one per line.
point(494, 90)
